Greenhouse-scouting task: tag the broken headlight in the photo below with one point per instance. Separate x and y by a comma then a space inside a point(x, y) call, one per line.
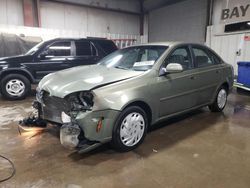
point(81, 101)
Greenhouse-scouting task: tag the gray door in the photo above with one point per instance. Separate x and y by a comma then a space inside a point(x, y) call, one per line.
point(177, 90)
point(207, 73)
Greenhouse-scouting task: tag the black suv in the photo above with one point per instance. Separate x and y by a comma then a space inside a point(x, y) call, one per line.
point(19, 72)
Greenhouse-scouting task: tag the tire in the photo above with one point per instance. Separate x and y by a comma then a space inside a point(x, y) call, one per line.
point(136, 128)
point(21, 87)
point(220, 100)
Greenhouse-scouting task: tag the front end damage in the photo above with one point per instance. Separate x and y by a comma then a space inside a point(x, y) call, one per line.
point(82, 128)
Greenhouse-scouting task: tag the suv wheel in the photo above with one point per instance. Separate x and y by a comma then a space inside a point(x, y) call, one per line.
point(15, 87)
point(130, 129)
point(220, 101)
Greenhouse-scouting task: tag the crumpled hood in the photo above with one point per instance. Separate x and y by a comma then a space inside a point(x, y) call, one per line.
point(83, 78)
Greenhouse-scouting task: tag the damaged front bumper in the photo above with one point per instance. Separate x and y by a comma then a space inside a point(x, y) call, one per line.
point(83, 132)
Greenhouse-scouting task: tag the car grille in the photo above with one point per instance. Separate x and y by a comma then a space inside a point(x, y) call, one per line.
point(53, 107)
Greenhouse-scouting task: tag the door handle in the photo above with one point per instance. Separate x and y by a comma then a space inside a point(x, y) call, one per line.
point(217, 71)
point(192, 78)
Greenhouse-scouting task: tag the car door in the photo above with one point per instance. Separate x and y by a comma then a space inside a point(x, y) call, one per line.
point(52, 58)
point(177, 91)
point(85, 53)
point(207, 73)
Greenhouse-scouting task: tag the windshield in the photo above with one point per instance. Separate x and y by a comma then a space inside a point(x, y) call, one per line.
point(139, 58)
point(34, 49)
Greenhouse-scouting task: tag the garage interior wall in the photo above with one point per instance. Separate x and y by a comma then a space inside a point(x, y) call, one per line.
point(11, 12)
point(120, 21)
point(185, 21)
point(73, 17)
point(233, 47)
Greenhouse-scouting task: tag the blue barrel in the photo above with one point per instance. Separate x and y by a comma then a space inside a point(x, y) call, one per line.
point(244, 73)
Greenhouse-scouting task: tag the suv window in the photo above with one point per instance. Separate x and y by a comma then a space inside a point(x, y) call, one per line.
point(202, 58)
point(181, 56)
point(59, 49)
point(83, 48)
point(107, 46)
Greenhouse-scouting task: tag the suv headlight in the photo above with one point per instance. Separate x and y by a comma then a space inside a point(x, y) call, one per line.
point(81, 101)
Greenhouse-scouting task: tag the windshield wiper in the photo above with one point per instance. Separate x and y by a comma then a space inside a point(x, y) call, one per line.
point(120, 67)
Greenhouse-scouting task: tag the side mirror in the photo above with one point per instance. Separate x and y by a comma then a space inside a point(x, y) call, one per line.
point(43, 55)
point(171, 68)
point(174, 68)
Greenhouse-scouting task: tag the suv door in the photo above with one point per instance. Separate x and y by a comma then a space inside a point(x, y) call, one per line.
point(207, 73)
point(53, 57)
point(177, 91)
point(85, 53)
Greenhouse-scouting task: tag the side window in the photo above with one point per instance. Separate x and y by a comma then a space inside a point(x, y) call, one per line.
point(181, 56)
point(202, 58)
point(83, 48)
point(59, 49)
point(215, 58)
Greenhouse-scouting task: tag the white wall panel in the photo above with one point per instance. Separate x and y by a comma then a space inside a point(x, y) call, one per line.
point(184, 21)
point(97, 21)
point(52, 15)
point(11, 12)
point(71, 17)
point(76, 18)
point(126, 5)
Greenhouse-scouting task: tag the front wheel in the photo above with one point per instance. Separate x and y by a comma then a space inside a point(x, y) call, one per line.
point(220, 101)
point(130, 129)
point(15, 87)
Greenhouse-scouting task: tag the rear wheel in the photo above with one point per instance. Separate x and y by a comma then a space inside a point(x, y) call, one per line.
point(130, 129)
point(220, 101)
point(15, 87)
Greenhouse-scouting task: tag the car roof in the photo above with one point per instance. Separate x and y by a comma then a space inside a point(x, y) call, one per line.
point(168, 43)
point(89, 39)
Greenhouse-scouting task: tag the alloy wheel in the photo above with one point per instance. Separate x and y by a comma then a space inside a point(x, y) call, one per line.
point(15, 87)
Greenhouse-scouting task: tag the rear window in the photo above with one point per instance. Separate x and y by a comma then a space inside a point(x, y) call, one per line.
point(107, 46)
point(83, 48)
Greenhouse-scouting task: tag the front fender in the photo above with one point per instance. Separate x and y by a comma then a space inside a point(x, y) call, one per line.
point(120, 99)
point(22, 71)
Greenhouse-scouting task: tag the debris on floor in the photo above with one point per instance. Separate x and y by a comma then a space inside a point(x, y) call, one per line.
point(155, 151)
point(32, 123)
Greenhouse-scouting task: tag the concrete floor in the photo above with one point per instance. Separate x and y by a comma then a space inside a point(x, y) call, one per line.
point(201, 149)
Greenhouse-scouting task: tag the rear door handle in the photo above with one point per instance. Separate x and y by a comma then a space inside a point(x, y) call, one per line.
point(192, 77)
point(217, 71)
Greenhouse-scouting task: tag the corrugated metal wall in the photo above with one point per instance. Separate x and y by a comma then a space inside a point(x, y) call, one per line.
point(11, 12)
point(78, 18)
point(126, 5)
point(184, 21)
point(67, 20)
point(64, 16)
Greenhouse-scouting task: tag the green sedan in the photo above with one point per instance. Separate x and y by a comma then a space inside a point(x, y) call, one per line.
point(130, 90)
